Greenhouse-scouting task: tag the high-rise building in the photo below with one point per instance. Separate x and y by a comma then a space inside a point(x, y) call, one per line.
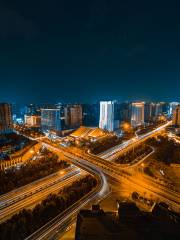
point(5, 118)
point(106, 120)
point(31, 109)
point(137, 115)
point(91, 114)
point(172, 107)
point(154, 110)
point(176, 116)
point(73, 116)
point(158, 109)
point(51, 119)
point(165, 108)
point(125, 112)
point(148, 112)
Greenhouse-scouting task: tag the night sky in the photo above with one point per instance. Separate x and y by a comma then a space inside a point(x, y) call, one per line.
point(71, 50)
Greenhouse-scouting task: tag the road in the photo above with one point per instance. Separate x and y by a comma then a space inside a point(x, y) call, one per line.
point(113, 153)
point(34, 187)
point(138, 180)
point(62, 221)
point(117, 172)
point(40, 194)
point(100, 167)
point(83, 160)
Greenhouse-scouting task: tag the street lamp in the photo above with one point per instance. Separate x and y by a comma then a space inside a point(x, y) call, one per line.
point(62, 172)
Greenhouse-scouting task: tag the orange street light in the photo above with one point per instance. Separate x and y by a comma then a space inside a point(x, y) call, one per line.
point(126, 126)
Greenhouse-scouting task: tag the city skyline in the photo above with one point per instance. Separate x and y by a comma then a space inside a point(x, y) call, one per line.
point(55, 103)
point(89, 120)
point(88, 51)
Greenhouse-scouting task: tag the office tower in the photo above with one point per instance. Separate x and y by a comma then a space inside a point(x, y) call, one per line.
point(125, 112)
point(158, 109)
point(91, 114)
point(15, 112)
point(106, 120)
point(176, 116)
point(148, 112)
point(32, 121)
point(165, 108)
point(5, 118)
point(31, 109)
point(116, 115)
point(51, 119)
point(73, 116)
point(137, 115)
point(172, 107)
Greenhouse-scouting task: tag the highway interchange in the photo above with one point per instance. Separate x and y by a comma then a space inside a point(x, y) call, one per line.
point(95, 165)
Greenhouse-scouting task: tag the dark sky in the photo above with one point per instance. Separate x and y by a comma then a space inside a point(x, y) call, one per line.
point(71, 50)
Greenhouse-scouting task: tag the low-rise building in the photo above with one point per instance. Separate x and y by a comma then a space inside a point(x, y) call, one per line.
point(32, 121)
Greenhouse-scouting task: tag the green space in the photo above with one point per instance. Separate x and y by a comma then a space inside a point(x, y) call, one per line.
point(133, 154)
point(104, 144)
point(167, 150)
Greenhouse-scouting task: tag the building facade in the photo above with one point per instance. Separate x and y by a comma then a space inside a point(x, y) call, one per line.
point(176, 116)
point(172, 107)
point(137, 114)
point(125, 112)
point(32, 121)
point(5, 118)
point(106, 119)
point(148, 108)
point(91, 114)
point(73, 116)
point(51, 120)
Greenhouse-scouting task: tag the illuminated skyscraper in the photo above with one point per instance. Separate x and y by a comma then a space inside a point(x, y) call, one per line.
point(137, 115)
point(51, 119)
point(106, 120)
point(176, 116)
point(5, 118)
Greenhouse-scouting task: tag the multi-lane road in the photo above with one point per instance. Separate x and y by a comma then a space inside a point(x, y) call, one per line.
point(36, 186)
point(112, 153)
point(90, 163)
point(62, 221)
point(13, 202)
point(100, 168)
